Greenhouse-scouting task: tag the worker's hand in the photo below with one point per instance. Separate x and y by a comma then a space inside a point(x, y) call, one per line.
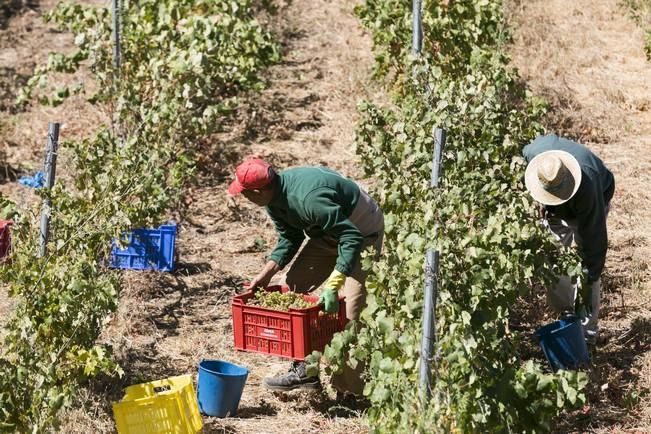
point(330, 294)
point(584, 299)
point(329, 298)
point(257, 284)
point(336, 280)
point(264, 277)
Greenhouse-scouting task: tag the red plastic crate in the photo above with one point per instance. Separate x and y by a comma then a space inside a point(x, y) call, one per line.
point(293, 335)
point(5, 237)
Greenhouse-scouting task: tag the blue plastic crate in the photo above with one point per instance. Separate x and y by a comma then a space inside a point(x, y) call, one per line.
point(146, 249)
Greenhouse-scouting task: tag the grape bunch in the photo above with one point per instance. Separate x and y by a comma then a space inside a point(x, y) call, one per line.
point(280, 301)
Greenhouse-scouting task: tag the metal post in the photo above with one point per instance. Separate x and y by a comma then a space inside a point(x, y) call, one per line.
point(431, 284)
point(117, 49)
point(417, 27)
point(50, 172)
point(437, 155)
point(429, 322)
point(117, 61)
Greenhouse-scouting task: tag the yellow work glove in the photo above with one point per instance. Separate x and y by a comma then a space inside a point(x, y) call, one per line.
point(330, 295)
point(336, 280)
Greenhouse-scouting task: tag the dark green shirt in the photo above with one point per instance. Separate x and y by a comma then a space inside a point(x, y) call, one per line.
point(315, 201)
point(588, 206)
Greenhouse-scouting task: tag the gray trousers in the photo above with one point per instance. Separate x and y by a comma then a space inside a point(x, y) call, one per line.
point(561, 296)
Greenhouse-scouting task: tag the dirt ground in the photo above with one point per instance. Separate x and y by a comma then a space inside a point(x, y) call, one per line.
point(585, 57)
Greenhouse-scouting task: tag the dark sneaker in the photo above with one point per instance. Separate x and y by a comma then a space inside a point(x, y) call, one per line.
point(567, 314)
point(592, 338)
point(295, 379)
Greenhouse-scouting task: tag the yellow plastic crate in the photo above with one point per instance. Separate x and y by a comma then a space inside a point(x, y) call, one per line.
point(159, 407)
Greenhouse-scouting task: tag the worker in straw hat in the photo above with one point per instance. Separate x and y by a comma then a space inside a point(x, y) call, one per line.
point(575, 188)
point(340, 220)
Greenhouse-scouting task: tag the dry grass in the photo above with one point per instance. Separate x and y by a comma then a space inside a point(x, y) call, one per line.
point(586, 58)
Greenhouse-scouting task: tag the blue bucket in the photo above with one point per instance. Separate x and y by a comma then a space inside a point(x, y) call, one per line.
point(564, 344)
point(220, 387)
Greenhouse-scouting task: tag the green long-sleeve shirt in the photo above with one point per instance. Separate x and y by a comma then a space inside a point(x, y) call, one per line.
point(315, 201)
point(588, 206)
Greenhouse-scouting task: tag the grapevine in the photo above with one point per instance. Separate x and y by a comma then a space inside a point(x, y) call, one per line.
point(185, 63)
point(481, 220)
point(640, 11)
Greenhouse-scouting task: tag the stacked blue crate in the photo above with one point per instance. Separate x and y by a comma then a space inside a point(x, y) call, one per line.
point(146, 249)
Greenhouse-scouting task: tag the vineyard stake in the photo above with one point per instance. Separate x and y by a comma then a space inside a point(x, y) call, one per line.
point(431, 284)
point(429, 323)
point(440, 135)
point(117, 59)
point(117, 49)
point(50, 171)
point(417, 29)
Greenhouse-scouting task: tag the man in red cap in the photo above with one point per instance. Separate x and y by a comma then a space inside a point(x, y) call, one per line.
point(339, 219)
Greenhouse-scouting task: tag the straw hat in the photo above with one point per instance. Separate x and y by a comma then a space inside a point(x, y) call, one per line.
point(553, 177)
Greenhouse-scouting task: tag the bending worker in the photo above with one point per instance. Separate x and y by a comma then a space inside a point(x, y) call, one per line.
point(575, 188)
point(340, 220)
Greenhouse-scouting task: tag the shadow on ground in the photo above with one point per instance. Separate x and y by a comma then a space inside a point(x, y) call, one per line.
point(324, 404)
point(612, 394)
point(214, 424)
point(11, 81)
point(9, 8)
point(9, 173)
point(191, 269)
point(347, 407)
point(530, 313)
point(221, 429)
point(140, 365)
point(164, 307)
point(187, 295)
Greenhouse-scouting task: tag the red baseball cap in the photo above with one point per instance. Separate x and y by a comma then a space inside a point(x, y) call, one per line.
point(252, 174)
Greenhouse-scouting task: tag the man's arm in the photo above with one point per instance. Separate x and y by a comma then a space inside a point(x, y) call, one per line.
point(264, 276)
point(289, 241)
point(590, 210)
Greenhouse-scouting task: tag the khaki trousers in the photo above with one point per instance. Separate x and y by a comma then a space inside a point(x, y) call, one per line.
point(317, 259)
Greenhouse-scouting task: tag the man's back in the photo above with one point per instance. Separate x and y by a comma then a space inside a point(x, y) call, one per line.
point(591, 166)
point(306, 191)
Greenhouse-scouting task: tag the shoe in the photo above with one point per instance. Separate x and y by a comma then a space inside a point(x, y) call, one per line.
point(567, 315)
point(295, 379)
point(591, 337)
